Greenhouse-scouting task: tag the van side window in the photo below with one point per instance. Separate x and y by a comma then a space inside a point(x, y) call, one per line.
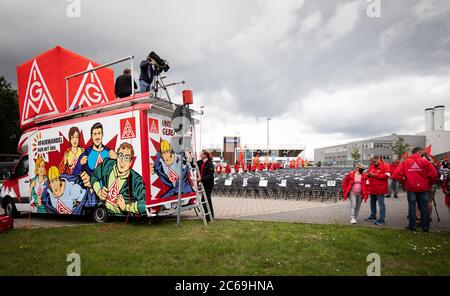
point(22, 167)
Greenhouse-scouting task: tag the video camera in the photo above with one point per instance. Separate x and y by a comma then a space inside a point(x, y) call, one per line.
point(158, 62)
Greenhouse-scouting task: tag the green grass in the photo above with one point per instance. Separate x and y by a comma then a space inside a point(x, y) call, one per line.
point(223, 248)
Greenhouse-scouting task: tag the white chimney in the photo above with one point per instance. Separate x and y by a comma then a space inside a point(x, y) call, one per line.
point(429, 120)
point(439, 118)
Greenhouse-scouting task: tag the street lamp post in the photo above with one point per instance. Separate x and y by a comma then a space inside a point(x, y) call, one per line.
point(201, 119)
point(268, 119)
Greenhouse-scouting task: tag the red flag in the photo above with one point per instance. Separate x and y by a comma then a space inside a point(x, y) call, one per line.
point(241, 158)
point(428, 150)
point(406, 155)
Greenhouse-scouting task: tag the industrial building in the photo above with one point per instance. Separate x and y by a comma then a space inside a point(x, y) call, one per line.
point(434, 135)
point(435, 132)
point(231, 148)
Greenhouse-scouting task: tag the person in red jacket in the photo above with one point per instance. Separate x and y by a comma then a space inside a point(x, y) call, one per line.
point(236, 167)
point(446, 190)
point(272, 166)
point(227, 169)
point(219, 169)
point(377, 186)
point(261, 166)
point(417, 174)
point(354, 187)
point(393, 184)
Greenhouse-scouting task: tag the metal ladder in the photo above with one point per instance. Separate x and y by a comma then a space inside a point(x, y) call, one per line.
point(200, 195)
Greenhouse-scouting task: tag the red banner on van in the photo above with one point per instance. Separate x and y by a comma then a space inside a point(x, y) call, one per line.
point(42, 84)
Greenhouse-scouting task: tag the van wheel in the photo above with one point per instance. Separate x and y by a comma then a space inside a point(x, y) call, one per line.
point(10, 209)
point(100, 215)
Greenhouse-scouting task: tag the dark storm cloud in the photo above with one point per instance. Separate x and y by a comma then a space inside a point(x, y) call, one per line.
point(271, 58)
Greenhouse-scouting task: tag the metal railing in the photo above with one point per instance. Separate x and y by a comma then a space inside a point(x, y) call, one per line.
point(131, 57)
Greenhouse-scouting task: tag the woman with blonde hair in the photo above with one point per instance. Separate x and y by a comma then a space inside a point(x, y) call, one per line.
point(38, 184)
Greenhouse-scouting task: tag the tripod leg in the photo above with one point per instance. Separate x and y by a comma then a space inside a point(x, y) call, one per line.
point(435, 209)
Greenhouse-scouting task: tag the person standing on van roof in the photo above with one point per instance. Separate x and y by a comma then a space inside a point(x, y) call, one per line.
point(146, 76)
point(93, 155)
point(122, 88)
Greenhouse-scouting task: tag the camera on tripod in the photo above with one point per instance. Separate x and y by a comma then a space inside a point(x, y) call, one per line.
point(160, 64)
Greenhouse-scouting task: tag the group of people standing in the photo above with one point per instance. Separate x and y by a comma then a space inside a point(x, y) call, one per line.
point(225, 168)
point(417, 174)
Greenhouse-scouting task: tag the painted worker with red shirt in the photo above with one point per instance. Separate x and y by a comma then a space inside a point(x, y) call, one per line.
point(377, 187)
point(418, 175)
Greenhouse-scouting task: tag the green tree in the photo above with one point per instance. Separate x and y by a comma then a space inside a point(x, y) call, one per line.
point(356, 154)
point(9, 117)
point(400, 147)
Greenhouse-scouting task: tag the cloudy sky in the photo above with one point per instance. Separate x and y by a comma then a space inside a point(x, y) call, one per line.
point(324, 71)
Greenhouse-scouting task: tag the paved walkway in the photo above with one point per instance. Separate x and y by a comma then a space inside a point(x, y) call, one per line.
point(275, 210)
point(319, 213)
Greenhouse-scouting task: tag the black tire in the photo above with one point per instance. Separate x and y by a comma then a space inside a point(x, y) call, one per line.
point(99, 215)
point(10, 208)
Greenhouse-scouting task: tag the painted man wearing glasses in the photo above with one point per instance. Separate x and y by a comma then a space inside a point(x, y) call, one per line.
point(118, 185)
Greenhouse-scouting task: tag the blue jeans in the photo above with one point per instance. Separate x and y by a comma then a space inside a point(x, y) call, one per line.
point(393, 187)
point(422, 201)
point(144, 86)
point(373, 206)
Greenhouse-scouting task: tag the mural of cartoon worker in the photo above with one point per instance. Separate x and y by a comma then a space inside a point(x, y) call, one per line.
point(93, 155)
point(167, 167)
point(72, 154)
point(118, 185)
point(37, 185)
point(65, 195)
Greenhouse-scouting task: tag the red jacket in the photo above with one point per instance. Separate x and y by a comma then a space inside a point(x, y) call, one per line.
point(227, 169)
point(348, 182)
point(393, 169)
point(261, 166)
point(218, 169)
point(417, 174)
point(447, 193)
point(378, 184)
point(236, 168)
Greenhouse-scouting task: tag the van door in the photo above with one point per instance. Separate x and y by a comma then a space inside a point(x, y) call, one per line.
point(21, 176)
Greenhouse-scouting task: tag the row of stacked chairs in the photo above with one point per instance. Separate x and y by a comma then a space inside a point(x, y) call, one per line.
point(301, 184)
point(322, 184)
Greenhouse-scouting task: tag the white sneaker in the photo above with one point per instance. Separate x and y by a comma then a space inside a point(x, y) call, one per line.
point(353, 221)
